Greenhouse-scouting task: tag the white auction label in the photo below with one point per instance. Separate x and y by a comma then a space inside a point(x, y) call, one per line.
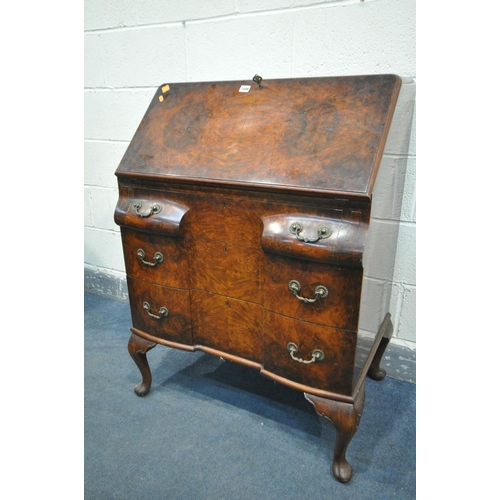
point(245, 88)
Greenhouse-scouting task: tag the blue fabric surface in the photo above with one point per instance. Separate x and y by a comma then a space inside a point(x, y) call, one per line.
point(212, 429)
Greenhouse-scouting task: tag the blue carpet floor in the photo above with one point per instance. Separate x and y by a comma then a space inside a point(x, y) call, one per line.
point(212, 429)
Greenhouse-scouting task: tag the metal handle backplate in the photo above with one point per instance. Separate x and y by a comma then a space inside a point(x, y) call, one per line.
point(162, 312)
point(154, 209)
point(320, 291)
point(323, 232)
point(157, 257)
point(317, 354)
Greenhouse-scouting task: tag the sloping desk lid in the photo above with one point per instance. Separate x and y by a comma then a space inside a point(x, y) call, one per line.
point(321, 135)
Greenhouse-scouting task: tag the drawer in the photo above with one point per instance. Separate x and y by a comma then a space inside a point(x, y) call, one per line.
point(338, 239)
point(332, 373)
point(160, 311)
point(324, 294)
point(158, 259)
point(150, 211)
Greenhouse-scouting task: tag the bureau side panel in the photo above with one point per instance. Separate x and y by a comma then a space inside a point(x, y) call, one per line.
point(381, 246)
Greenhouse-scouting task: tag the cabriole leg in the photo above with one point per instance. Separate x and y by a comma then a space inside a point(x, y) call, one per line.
point(375, 372)
point(137, 348)
point(345, 417)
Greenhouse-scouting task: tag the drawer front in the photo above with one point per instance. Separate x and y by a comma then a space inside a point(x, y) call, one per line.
point(150, 210)
point(337, 239)
point(160, 311)
point(227, 324)
point(154, 258)
point(209, 311)
point(244, 323)
point(313, 292)
point(332, 373)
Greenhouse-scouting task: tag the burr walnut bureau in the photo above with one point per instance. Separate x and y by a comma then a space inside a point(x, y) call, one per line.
point(244, 210)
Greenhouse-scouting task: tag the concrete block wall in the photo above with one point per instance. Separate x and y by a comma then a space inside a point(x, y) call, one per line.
point(133, 46)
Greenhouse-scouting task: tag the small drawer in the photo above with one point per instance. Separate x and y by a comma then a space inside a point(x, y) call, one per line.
point(313, 355)
point(312, 292)
point(160, 311)
point(158, 259)
point(150, 211)
point(334, 240)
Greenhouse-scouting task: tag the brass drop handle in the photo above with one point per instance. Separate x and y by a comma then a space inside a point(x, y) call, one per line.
point(296, 228)
point(317, 354)
point(162, 313)
point(155, 209)
point(320, 291)
point(157, 257)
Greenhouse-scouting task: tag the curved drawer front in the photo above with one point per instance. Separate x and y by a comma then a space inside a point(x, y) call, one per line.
point(333, 372)
point(160, 311)
point(154, 258)
point(150, 211)
point(312, 292)
point(327, 240)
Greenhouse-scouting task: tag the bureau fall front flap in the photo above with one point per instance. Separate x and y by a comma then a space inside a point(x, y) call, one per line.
point(316, 135)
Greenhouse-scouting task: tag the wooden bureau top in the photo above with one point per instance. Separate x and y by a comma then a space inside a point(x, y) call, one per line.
point(315, 135)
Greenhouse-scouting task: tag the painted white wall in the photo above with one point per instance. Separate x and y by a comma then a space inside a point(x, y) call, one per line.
point(133, 46)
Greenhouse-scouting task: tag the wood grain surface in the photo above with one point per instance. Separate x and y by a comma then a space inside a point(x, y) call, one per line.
point(319, 134)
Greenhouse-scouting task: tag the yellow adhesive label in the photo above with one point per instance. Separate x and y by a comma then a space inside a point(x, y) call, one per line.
point(165, 88)
point(160, 98)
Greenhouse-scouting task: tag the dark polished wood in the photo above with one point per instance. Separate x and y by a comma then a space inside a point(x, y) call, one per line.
point(310, 134)
point(244, 218)
point(137, 348)
point(159, 254)
point(345, 417)
point(375, 371)
point(344, 246)
point(333, 374)
point(340, 308)
point(161, 310)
